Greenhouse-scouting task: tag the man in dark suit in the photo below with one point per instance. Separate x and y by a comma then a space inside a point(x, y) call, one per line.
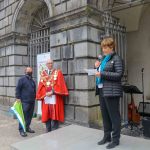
point(26, 92)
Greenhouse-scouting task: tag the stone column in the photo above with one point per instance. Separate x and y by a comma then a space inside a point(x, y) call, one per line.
point(13, 60)
point(13, 54)
point(74, 40)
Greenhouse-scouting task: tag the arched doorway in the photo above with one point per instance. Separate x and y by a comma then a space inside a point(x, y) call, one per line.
point(32, 35)
point(39, 37)
point(28, 24)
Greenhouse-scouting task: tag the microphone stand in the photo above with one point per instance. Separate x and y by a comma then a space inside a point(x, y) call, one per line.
point(142, 70)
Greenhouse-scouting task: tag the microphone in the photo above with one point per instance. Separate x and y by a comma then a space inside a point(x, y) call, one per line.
point(100, 57)
point(97, 63)
point(142, 69)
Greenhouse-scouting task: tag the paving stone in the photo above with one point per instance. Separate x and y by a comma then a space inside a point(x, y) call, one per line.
point(6, 101)
point(9, 128)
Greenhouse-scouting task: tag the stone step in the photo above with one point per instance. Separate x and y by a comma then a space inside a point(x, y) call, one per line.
point(74, 137)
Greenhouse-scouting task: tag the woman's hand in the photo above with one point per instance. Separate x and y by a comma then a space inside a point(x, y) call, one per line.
point(97, 74)
point(97, 64)
point(49, 94)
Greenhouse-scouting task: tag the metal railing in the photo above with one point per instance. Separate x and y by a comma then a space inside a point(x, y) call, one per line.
point(39, 43)
point(113, 28)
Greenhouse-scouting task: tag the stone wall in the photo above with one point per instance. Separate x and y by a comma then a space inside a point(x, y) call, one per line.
point(74, 42)
point(13, 58)
point(75, 30)
point(138, 55)
point(7, 8)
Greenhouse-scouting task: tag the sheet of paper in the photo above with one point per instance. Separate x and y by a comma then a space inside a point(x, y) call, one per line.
point(91, 72)
point(50, 100)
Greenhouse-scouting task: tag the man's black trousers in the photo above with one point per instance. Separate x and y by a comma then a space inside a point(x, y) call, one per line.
point(52, 125)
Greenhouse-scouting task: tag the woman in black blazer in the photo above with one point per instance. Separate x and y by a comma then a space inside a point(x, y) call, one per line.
point(108, 83)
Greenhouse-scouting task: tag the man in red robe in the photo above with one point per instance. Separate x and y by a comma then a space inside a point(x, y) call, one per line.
point(51, 90)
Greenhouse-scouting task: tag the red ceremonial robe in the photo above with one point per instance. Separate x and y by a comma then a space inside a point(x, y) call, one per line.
point(56, 82)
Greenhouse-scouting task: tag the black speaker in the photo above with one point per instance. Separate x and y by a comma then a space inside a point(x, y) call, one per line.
point(146, 109)
point(146, 126)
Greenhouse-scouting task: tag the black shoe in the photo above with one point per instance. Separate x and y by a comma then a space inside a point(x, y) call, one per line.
point(23, 134)
point(104, 140)
point(30, 130)
point(48, 130)
point(112, 145)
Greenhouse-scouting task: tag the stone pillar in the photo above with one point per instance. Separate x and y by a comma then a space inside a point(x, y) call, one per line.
point(13, 60)
point(75, 34)
point(74, 41)
point(13, 54)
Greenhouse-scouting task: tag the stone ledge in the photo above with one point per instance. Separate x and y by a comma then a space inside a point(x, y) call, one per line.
point(74, 137)
point(79, 11)
point(13, 39)
point(76, 13)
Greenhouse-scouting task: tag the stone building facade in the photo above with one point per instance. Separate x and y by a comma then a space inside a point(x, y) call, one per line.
point(73, 31)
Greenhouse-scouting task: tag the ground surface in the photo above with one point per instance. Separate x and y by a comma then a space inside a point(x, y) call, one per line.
point(9, 130)
point(74, 137)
